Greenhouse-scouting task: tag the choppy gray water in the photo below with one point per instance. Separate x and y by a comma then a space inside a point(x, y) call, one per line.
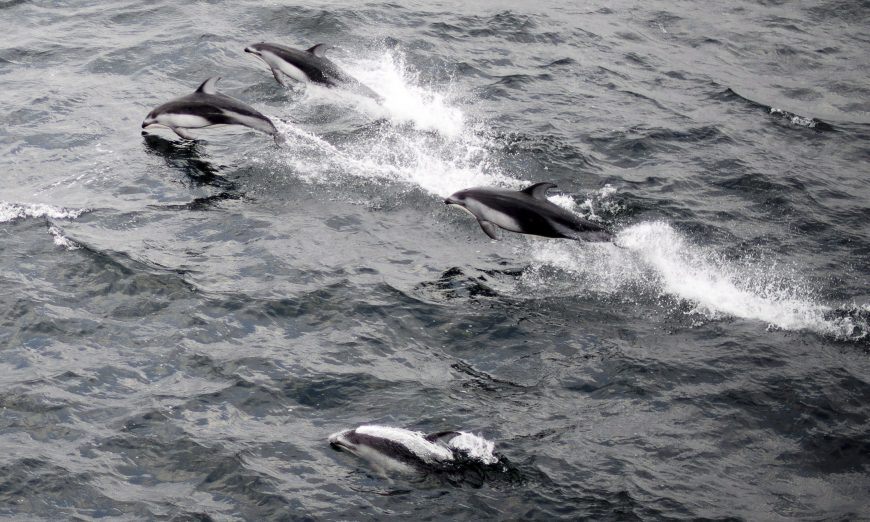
point(184, 324)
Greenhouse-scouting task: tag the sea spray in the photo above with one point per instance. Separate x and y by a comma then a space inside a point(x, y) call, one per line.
point(427, 143)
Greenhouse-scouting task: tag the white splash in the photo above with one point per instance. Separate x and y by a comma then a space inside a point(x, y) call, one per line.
point(61, 240)
point(474, 447)
point(800, 121)
point(426, 141)
point(405, 101)
point(13, 211)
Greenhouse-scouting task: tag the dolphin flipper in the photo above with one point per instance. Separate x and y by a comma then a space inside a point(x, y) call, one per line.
point(279, 77)
point(489, 228)
point(183, 133)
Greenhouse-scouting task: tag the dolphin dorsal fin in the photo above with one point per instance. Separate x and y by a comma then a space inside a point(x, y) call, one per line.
point(539, 190)
point(432, 437)
point(208, 86)
point(318, 50)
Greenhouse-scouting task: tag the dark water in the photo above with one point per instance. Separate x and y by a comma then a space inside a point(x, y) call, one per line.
point(183, 325)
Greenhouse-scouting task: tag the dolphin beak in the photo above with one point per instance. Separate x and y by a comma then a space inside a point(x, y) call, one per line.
point(449, 201)
point(335, 440)
point(251, 50)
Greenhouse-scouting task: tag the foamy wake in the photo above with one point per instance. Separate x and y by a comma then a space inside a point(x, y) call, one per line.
point(428, 143)
point(405, 100)
point(657, 259)
point(431, 145)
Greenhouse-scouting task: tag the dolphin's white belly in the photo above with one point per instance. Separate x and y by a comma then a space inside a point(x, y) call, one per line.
point(277, 63)
point(184, 121)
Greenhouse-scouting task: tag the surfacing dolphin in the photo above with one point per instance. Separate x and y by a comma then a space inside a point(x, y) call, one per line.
point(206, 108)
point(310, 65)
point(526, 211)
point(405, 451)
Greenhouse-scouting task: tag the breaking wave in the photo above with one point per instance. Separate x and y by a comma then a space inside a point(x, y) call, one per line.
point(13, 211)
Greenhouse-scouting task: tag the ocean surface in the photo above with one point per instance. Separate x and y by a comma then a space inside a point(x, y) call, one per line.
point(183, 324)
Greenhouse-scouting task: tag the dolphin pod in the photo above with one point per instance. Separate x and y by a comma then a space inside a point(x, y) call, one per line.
point(526, 211)
point(207, 108)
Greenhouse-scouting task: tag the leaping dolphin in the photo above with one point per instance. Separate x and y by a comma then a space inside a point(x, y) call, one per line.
point(526, 211)
point(206, 108)
point(310, 65)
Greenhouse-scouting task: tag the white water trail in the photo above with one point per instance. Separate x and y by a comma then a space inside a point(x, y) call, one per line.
point(426, 142)
point(431, 144)
point(657, 259)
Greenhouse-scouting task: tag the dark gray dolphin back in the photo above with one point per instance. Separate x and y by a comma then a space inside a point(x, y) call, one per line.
point(550, 220)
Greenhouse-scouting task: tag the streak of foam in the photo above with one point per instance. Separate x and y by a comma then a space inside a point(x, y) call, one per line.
point(13, 211)
point(61, 240)
point(655, 258)
point(794, 119)
point(427, 142)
